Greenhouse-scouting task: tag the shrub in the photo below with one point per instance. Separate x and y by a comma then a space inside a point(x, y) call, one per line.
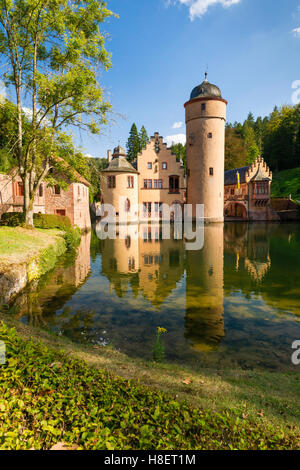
point(53, 221)
point(72, 238)
point(12, 219)
point(47, 221)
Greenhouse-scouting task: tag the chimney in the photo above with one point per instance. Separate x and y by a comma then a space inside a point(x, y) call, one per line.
point(109, 156)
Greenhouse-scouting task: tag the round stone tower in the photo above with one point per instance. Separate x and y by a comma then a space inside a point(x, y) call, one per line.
point(205, 148)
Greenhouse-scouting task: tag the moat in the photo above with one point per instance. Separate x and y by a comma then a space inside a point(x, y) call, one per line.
point(233, 303)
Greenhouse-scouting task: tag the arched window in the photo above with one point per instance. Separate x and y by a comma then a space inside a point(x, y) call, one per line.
point(127, 205)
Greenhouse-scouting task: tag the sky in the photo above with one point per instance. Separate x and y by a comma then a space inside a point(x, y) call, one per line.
point(162, 48)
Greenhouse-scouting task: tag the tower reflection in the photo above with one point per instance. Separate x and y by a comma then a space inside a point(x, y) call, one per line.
point(204, 323)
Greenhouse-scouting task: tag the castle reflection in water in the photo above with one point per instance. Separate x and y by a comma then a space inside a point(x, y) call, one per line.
point(242, 288)
point(153, 267)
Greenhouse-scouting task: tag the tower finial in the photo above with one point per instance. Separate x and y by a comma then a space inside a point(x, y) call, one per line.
point(205, 76)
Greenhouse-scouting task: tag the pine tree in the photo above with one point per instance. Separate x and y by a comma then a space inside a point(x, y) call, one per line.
point(143, 138)
point(133, 143)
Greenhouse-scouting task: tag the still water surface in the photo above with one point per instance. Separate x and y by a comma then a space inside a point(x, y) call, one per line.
point(234, 303)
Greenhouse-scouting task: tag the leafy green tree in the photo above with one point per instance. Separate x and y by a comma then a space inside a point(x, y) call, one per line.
point(144, 139)
point(236, 155)
point(250, 141)
point(133, 143)
point(53, 50)
point(180, 151)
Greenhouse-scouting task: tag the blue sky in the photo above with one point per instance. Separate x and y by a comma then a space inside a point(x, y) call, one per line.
point(161, 48)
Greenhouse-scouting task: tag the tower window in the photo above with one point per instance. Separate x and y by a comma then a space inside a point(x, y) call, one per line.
point(111, 182)
point(211, 171)
point(209, 135)
point(57, 190)
point(203, 107)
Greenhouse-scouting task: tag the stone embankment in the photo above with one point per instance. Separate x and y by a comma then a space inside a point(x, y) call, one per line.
point(25, 255)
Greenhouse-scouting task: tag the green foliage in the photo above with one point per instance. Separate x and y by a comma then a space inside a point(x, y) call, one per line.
point(235, 149)
point(47, 221)
point(53, 51)
point(46, 398)
point(144, 139)
point(286, 183)
point(276, 137)
point(136, 142)
point(159, 347)
point(72, 238)
point(133, 143)
point(180, 151)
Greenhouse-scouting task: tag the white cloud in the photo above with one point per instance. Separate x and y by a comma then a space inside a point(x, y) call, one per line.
point(198, 8)
point(177, 125)
point(175, 139)
point(27, 112)
point(296, 32)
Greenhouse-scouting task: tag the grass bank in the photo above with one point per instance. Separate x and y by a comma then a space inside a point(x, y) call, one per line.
point(286, 183)
point(19, 245)
point(25, 255)
point(54, 391)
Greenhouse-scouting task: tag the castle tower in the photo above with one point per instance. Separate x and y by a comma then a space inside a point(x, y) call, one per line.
point(205, 132)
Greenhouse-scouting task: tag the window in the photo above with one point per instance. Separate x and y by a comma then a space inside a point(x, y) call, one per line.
point(127, 205)
point(61, 212)
point(147, 209)
point(149, 166)
point(147, 184)
point(128, 242)
point(209, 135)
point(174, 184)
point(57, 190)
point(157, 184)
point(211, 171)
point(20, 189)
point(41, 190)
point(130, 181)
point(203, 107)
point(111, 181)
point(164, 166)
point(78, 190)
point(262, 188)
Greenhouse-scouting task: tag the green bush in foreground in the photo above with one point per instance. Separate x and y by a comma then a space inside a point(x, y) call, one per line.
point(72, 238)
point(47, 221)
point(46, 398)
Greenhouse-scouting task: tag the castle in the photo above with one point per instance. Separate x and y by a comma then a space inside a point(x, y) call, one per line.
point(72, 202)
point(157, 178)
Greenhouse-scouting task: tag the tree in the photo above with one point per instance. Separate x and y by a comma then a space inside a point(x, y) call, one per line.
point(250, 141)
point(235, 150)
point(180, 151)
point(133, 143)
point(53, 50)
point(143, 138)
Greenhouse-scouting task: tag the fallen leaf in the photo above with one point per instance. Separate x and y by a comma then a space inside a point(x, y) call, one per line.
point(63, 446)
point(58, 364)
point(261, 413)
point(186, 381)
